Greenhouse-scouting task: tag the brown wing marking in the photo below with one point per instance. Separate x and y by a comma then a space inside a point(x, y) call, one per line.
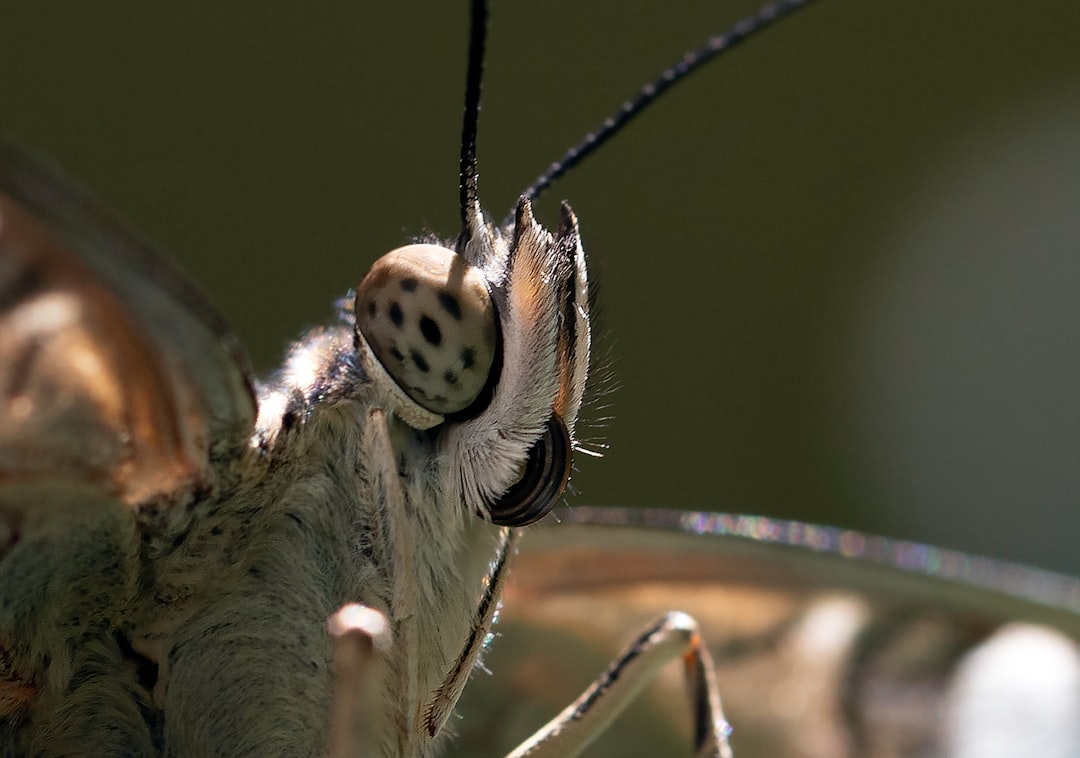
point(83, 395)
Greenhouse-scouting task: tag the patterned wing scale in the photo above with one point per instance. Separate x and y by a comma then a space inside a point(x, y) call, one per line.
point(114, 371)
point(827, 643)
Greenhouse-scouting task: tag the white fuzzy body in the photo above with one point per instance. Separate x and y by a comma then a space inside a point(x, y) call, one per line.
point(305, 531)
point(230, 601)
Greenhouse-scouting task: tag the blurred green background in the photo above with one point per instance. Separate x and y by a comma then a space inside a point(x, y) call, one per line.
point(839, 270)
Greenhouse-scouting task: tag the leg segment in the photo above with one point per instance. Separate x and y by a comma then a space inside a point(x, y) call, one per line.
point(674, 634)
point(356, 632)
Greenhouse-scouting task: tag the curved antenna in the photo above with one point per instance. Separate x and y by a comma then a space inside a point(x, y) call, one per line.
point(651, 92)
point(467, 175)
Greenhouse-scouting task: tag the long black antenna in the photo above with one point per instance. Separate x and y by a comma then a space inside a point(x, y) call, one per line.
point(650, 93)
point(467, 175)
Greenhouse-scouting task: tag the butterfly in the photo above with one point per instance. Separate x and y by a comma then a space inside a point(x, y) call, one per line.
point(686, 445)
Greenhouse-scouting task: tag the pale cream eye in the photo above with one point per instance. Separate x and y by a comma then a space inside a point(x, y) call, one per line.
point(428, 317)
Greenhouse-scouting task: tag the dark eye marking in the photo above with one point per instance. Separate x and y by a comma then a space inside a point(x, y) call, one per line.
point(419, 360)
point(450, 304)
point(468, 357)
point(430, 330)
point(396, 315)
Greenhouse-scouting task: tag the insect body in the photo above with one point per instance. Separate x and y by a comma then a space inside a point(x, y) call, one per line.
point(174, 549)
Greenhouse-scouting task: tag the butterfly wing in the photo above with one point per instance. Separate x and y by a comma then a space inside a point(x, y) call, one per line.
point(114, 370)
point(826, 643)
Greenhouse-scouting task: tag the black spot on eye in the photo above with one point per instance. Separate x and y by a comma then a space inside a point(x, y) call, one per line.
point(371, 308)
point(450, 304)
point(419, 361)
point(397, 354)
point(414, 390)
point(449, 377)
point(396, 315)
point(408, 284)
point(430, 330)
point(468, 357)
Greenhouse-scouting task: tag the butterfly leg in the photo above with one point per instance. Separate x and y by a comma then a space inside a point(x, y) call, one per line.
point(673, 635)
point(356, 632)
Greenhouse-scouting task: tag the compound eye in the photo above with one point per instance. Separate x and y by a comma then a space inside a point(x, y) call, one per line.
point(542, 481)
point(428, 317)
